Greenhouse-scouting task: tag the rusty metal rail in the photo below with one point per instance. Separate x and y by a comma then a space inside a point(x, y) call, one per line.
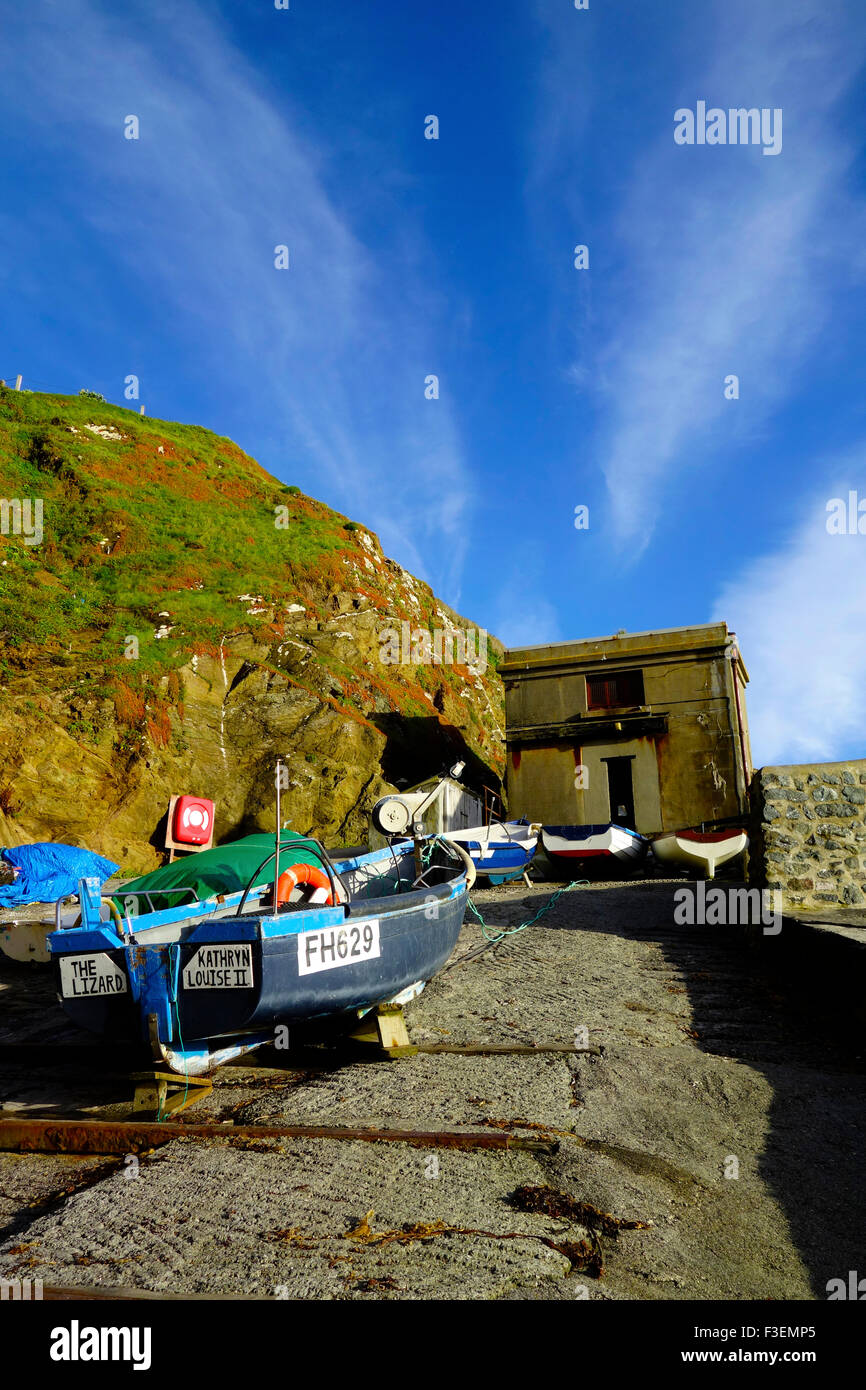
point(124, 1136)
point(104, 1060)
point(61, 1293)
point(505, 1049)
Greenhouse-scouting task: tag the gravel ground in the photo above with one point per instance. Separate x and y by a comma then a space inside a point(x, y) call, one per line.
point(708, 1065)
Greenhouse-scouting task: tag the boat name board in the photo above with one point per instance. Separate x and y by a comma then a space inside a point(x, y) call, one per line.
point(219, 967)
point(93, 974)
point(347, 945)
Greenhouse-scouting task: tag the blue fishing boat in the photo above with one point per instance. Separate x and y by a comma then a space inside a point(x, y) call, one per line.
point(203, 982)
point(500, 851)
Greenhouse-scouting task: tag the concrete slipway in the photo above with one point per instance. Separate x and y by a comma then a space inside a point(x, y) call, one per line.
point(718, 1053)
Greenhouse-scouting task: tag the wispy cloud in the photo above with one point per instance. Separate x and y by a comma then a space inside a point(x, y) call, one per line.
point(800, 617)
point(722, 261)
point(522, 614)
point(334, 351)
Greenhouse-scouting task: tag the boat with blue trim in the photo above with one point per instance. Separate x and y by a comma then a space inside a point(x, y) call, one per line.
point(571, 846)
point(206, 981)
point(501, 851)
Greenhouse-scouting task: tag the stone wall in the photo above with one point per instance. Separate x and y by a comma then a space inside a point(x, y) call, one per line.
point(808, 833)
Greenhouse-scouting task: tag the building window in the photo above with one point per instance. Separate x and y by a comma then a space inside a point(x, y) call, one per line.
point(614, 689)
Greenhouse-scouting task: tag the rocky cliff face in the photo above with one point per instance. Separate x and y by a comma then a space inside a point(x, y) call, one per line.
point(172, 618)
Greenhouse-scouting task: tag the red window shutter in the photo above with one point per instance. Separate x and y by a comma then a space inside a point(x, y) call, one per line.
point(614, 690)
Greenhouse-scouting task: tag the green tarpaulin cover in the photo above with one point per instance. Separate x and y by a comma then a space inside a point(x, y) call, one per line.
point(223, 869)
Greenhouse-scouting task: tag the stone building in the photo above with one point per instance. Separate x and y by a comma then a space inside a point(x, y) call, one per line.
point(647, 729)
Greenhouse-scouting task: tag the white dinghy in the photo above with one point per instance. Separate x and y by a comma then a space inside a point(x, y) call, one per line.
point(700, 849)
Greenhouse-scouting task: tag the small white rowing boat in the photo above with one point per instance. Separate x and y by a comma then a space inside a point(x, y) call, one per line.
point(571, 842)
point(700, 849)
point(500, 851)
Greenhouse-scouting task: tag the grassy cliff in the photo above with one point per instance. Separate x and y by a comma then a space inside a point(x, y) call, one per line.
point(183, 618)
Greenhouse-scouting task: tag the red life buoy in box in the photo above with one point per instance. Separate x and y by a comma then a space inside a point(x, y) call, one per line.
point(303, 873)
point(193, 820)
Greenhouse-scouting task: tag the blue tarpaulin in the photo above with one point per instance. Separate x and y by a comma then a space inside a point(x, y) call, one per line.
point(48, 872)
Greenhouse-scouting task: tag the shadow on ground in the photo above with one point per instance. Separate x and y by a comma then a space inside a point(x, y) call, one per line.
point(751, 1001)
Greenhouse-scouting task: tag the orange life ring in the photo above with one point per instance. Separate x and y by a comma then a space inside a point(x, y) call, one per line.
point(303, 873)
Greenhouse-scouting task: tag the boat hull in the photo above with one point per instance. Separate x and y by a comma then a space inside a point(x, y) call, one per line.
point(572, 845)
point(296, 967)
point(696, 849)
point(499, 852)
point(25, 942)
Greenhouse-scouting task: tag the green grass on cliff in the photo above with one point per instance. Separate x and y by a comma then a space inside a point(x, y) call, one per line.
point(130, 532)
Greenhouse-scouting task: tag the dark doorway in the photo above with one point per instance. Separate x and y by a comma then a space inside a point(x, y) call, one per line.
point(621, 791)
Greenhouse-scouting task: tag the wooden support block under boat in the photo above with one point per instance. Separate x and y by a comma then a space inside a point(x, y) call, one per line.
point(161, 1093)
point(384, 1028)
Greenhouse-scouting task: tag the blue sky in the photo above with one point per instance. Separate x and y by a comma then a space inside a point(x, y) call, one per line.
point(558, 387)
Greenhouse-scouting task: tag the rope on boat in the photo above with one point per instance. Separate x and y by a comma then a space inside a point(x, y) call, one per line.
point(174, 966)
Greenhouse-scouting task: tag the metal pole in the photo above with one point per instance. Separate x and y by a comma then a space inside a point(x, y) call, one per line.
point(277, 855)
